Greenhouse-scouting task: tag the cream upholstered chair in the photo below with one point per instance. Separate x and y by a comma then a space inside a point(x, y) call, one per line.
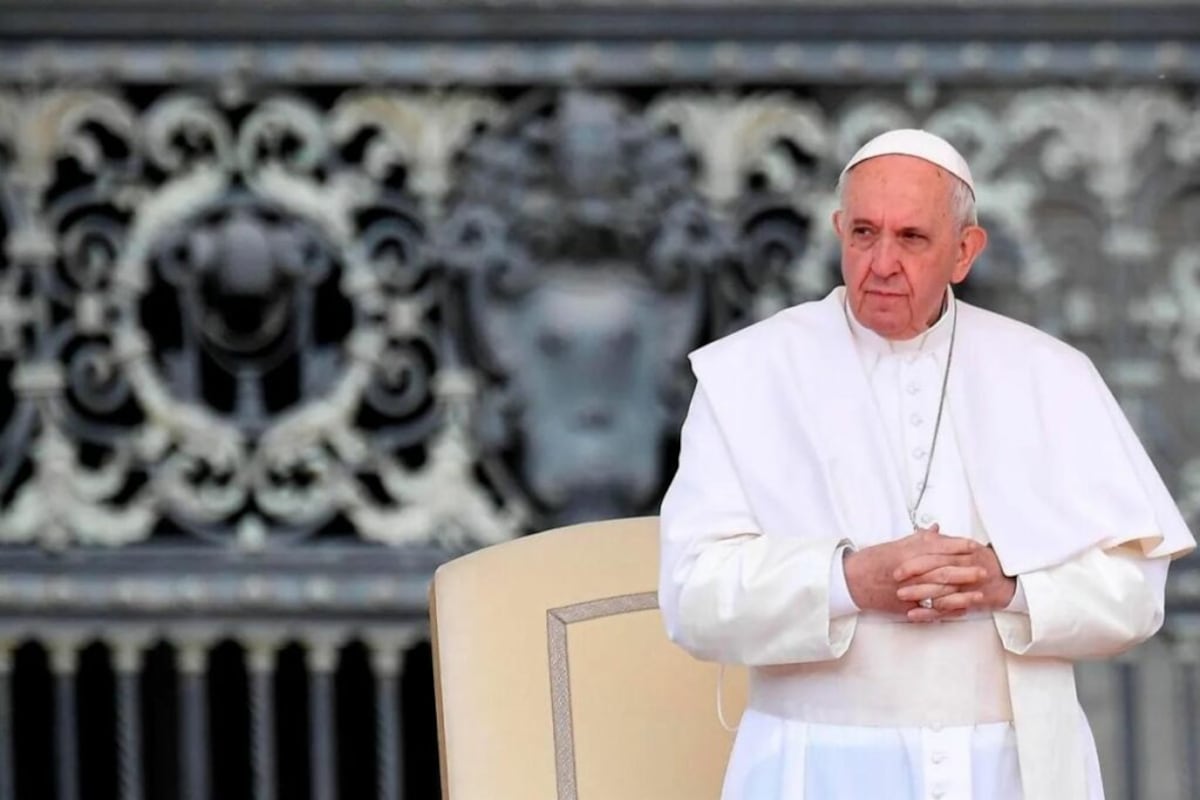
point(555, 679)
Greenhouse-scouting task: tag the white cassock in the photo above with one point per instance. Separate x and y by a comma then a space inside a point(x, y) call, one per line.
point(808, 434)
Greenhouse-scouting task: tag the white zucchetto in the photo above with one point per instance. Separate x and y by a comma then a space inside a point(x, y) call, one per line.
point(919, 144)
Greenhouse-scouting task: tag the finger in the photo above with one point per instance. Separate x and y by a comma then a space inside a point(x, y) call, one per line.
point(923, 591)
point(926, 563)
point(930, 541)
point(931, 532)
point(919, 614)
point(953, 545)
point(958, 601)
point(956, 575)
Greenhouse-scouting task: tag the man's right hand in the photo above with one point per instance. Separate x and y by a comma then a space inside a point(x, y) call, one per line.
point(870, 572)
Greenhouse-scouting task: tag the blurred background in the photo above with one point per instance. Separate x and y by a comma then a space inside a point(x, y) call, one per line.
point(300, 298)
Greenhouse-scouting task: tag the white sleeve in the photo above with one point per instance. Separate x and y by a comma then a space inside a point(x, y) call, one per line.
point(841, 604)
point(727, 592)
point(1095, 605)
point(1019, 604)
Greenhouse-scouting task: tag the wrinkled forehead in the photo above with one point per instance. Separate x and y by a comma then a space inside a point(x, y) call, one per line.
point(898, 181)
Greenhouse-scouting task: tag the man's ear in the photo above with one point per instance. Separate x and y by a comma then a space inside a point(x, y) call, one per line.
point(970, 244)
point(837, 222)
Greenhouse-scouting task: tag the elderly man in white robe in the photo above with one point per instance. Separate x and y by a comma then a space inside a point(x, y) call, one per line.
point(909, 517)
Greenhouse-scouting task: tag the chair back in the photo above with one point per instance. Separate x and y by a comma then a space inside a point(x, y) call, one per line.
point(555, 678)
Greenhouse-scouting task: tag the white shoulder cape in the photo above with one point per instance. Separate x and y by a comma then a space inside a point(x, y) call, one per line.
point(1054, 466)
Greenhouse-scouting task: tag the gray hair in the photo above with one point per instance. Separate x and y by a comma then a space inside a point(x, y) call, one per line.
point(962, 201)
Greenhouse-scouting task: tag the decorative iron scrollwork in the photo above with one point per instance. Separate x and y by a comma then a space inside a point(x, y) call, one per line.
point(448, 317)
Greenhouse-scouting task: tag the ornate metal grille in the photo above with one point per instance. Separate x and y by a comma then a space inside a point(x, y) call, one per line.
point(296, 305)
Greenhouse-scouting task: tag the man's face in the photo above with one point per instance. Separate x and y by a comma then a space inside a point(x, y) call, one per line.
point(901, 244)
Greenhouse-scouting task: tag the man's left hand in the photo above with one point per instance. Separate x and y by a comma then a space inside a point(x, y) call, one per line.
point(956, 584)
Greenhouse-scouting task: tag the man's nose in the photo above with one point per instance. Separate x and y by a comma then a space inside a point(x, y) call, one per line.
point(885, 258)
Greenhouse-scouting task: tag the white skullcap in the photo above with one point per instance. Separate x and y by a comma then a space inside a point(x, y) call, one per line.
point(919, 144)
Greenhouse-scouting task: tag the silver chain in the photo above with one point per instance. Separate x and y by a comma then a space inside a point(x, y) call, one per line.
point(937, 426)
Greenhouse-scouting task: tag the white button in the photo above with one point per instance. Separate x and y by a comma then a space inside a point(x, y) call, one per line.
point(937, 792)
point(916, 419)
point(919, 452)
point(938, 757)
point(925, 520)
point(913, 388)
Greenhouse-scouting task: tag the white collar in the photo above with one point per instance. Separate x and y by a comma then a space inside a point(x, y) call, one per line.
point(931, 339)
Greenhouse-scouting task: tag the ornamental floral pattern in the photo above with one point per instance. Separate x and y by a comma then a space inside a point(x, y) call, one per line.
point(259, 318)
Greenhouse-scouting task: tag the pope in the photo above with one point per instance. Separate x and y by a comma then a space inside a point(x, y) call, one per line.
point(909, 516)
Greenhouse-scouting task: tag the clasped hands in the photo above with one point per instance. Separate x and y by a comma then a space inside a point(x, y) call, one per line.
point(956, 573)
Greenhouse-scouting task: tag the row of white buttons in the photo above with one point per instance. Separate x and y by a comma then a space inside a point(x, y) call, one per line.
point(920, 452)
point(943, 779)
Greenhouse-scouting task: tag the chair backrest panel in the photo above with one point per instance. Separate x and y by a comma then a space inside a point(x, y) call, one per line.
point(555, 678)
